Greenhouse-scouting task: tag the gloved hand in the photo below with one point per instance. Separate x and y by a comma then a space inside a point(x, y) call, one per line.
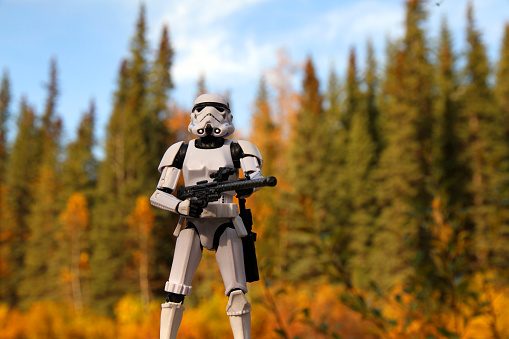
point(190, 208)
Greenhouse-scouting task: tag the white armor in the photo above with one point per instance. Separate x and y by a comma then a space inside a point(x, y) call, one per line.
point(197, 166)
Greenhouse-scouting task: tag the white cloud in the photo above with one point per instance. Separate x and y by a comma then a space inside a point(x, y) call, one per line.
point(214, 56)
point(204, 43)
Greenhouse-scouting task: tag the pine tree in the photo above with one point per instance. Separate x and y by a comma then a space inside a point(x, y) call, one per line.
point(21, 172)
point(334, 136)
point(448, 174)
point(160, 134)
point(401, 192)
point(332, 101)
point(108, 258)
point(384, 97)
point(41, 255)
point(135, 143)
point(341, 166)
point(5, 98)
point(160, 85)
point(502, 85)
point(331, 188)
point(137, 122)
point(284, 114)
point(449, 180)
point(265, 134)
point(79, 170)
point(370, 96)
point(502, 96)
point(352, 100)
point(306, 164)
point(360, 157)
point(305, 133)
point(484, 150)
point(79, 176)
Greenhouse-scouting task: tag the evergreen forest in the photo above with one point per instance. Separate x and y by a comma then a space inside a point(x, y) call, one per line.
point(390, 218)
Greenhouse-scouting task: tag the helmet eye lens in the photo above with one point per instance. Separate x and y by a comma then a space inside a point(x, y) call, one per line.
point(220, 107)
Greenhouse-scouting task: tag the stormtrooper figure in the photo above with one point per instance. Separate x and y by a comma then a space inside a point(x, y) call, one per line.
point(216, 227)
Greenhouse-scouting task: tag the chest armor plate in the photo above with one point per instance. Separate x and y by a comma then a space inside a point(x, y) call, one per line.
point(200, 163)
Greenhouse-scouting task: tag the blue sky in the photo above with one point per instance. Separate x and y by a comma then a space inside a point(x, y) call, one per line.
point(231, 42)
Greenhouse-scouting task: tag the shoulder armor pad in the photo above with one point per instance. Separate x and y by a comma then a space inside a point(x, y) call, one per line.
point(249, 149)
point(170, 155)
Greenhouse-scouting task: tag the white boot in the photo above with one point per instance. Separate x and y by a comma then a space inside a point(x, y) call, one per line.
point(240, 317)
point(171, 316)
point(241, 326)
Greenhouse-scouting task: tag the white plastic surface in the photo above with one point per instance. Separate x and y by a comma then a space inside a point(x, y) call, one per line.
point(169, 155)
point(249, 149)
point(185, 261)
point(200, 163)
point(221, 122)
point(251, 167)
point(241, 326)
point(230, 259)
point(164, 201)
point(169, 178)
point(238, 304)
point(171, 317)
point(240, 318)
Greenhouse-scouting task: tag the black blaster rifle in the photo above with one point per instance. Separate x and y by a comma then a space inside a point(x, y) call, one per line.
point(206, 192)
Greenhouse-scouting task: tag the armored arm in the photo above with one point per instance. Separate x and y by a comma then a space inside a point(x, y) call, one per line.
point(170, 168)
point(251, 161)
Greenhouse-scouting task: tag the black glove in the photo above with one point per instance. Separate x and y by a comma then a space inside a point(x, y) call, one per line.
point(190, 208)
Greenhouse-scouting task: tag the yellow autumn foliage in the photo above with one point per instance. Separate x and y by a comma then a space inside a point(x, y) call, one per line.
point(142, 216)
point(487, 318)
point(76, 215)
point(278, 311)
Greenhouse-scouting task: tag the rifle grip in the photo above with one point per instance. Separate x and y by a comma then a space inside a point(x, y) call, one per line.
point(203, 203)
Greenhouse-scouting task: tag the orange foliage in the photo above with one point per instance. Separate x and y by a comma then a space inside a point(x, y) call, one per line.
point(487, 319)
point(178, 123)
point(75, 218)
point(143, 217)
point(76, 215)
point(306, 312)
point(293, 311)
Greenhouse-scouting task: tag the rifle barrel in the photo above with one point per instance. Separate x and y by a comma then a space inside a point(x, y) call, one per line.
point(220, 187)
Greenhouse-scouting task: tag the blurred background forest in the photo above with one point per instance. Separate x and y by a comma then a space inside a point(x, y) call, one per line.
point(390, 218)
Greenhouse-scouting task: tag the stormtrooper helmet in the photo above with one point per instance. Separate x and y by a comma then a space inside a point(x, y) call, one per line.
point(211, 116)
